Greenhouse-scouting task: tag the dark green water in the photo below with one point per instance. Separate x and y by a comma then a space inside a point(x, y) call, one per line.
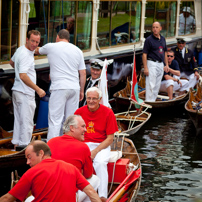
point(171, 158)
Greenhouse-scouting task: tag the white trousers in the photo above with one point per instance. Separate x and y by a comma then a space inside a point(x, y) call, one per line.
point(62, 103)
point(24, 108)
point(166, 83)
point(153, 81)
point(192, 79)
point(95, 182)
point(100, 165)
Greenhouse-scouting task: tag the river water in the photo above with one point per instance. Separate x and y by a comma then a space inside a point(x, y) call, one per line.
point(171, 157)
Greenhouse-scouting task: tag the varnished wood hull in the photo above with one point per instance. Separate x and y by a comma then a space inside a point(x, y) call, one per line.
point(129, 152)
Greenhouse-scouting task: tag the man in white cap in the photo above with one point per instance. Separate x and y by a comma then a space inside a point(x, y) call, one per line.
point(186, 22)
point(95, 71)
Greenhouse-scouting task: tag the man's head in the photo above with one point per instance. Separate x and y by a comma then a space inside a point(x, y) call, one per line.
point(96, 69)
point(156, 28)
point(93, 97)
point(70, 23)
point(33, 40)
point(181, 43)
point(186, 12)
point(75, 126)
point(63, 34)
point(171, 56)
point(36, 151)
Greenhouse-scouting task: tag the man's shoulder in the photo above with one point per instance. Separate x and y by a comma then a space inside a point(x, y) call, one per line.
point(174, 64)
point(81, 110)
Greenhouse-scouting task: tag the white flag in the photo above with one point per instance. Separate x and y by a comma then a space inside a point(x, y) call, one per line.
point(103, 85)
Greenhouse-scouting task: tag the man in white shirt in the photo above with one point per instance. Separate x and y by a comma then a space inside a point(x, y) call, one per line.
point(24, 89)
point(68, 77)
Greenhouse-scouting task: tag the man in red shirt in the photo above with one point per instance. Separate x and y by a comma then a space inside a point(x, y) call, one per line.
point(49, 179)
point(71, 149)
point(101, 126)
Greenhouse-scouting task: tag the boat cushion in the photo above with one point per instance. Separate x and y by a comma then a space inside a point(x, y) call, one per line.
point(115, 155)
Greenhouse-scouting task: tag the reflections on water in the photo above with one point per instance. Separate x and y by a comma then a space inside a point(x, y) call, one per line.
point(171, 158)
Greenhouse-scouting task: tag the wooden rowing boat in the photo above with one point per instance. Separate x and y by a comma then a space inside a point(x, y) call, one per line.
point(162, 101)
point(126, 190)
point(10, 158)
point(131, 121)
point(194, 108)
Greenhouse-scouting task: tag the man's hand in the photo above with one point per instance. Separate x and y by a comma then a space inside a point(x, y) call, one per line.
point(166, 69)
point(93, 154)
point(146, 71)
point(196, 75)
point(81, 96)
point(41, 92)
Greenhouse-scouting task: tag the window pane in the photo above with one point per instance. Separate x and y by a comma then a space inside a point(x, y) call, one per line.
point(104, 23)
point(163, 12)
point(9, 29)
point(187, 24)
point(84, 20)
point(125, 23)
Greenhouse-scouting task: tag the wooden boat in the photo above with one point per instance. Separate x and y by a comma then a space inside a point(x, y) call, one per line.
point(10, 158)
point(130, 122)
point(194, 108)
point(162, 101)
point(126, 190)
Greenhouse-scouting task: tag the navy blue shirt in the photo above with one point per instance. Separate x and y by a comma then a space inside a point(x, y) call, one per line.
point(155, 48)
point(175, 66)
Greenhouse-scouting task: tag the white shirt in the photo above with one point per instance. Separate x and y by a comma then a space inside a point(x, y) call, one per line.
point(23, 60)
point(65, 60)
point(190, 21)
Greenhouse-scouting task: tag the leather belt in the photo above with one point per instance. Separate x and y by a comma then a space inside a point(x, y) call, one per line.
point(154, 60)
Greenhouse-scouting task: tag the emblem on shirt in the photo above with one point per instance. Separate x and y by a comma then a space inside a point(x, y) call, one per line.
point(160, 49)
point(188, 59)
point(90, 127)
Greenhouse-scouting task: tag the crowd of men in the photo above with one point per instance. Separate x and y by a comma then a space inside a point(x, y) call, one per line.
point(81, 129)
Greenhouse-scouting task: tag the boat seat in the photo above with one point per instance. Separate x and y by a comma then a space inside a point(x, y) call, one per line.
point(114, 156)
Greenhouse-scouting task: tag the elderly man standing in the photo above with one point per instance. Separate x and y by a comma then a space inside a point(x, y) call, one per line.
point(68, 77)
point(95, 71)
point(71, 149)
point(101, 126)
point(49, 179)
point(187, 63)
point(170, 83)
point(154, 56)
point(24, 89)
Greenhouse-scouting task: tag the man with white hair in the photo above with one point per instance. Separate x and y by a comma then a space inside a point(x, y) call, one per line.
point(101, 126)
point(71, 149)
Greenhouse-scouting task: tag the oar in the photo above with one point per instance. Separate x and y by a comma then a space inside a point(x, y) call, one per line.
point(132, 176)
point(8, 139)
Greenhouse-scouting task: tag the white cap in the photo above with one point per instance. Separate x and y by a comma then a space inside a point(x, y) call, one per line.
point(186, 9)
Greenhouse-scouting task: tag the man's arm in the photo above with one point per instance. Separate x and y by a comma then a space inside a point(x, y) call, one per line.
point(108, 141)
point(144, 61)
point(174, 72)
point(91, 193)
point(166, 68)
point(25, 78)
point(7, 198)
point(82, 80)
point(12, 63)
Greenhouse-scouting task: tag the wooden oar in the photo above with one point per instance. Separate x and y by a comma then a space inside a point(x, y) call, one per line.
point(8, 139)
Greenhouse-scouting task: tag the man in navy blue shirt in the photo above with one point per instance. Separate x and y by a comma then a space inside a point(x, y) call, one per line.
point(154, 57)
point(169, 82)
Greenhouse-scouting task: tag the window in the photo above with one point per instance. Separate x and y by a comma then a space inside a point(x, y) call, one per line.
point(71, 15)
point(119, 22)
point(187, 23)
point(9, 29)
point(163, 12)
